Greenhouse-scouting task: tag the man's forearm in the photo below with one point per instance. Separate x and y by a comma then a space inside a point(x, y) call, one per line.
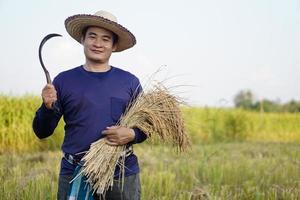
point(44, 122)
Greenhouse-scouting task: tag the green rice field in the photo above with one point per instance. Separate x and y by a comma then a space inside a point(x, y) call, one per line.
point(235, 154)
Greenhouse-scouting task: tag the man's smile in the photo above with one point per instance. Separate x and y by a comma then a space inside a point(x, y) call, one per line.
point(96, 51)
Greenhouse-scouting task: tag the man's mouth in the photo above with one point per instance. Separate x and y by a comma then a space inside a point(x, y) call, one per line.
point(97, 51)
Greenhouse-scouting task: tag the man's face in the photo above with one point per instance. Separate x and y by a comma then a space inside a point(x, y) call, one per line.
point(98, 44)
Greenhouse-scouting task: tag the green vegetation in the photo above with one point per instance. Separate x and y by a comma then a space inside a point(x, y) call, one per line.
point(221, 171)
point(245, 99)
point(204, 125)
point(29, 176)
point(16, 134)
point(236, 154)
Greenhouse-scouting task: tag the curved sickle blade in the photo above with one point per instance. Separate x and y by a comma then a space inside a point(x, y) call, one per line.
point(47, 37)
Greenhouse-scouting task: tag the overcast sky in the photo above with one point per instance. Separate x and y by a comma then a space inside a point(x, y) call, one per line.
point(217, 47)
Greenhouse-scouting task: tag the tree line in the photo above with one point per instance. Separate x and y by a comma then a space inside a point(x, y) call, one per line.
point(245, 99)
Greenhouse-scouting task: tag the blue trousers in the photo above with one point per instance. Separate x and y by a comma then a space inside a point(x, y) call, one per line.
point(131, 189)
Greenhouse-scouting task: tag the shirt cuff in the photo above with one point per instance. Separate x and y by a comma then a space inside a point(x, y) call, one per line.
point(48, 112)
point(139, 136)
point(45, 110)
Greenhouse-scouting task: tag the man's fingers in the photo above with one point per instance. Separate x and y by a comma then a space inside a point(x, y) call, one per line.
point(112, 127)
point(118, 136)
point(105, 132)
point(49, 86)
point(112, 140)
point(109, 131)
point(111, 143)
point(53, 99)
point(53, 96)
point(49, 95)
point(110, 136)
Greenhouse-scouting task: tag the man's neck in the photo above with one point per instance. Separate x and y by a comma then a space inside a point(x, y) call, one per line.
point(96, 67)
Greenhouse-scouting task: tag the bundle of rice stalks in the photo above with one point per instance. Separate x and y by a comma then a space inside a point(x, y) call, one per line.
point(157, 114)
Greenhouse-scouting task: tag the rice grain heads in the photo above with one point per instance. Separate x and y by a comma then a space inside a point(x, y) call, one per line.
point(156, 113)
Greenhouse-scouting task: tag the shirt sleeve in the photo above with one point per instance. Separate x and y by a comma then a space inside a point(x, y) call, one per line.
point(46, 120)
point(139, 137)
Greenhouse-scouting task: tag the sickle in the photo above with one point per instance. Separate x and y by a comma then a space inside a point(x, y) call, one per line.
point(47, 37)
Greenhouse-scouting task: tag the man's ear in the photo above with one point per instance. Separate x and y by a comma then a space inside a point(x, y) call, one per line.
point(82, 40)
point(114, 48)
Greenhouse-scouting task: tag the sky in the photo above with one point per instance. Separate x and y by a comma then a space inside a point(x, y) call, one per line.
point(207, 51)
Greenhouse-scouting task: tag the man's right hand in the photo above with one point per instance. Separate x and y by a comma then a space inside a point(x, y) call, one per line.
point(49, 95)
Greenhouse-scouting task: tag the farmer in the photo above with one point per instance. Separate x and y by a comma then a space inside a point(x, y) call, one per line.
point(91, 98)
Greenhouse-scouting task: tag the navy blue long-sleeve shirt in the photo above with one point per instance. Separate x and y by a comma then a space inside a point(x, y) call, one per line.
point(89, 102)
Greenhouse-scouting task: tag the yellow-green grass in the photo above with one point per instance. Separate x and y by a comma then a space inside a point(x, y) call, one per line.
point(228, 124)
point(239, 170)
point(16, 134)
point(204, 125)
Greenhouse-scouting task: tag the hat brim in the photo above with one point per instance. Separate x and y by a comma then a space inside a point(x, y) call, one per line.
point(75, 24)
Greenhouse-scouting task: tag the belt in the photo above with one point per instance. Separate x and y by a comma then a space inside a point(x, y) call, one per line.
point(73, 159)
point(76, 160)
point(128, 151)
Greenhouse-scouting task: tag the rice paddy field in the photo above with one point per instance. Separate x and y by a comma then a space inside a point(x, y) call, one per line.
point(235, 154)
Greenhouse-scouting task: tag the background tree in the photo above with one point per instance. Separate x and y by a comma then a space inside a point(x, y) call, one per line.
point(244, 99)
point(291, 106)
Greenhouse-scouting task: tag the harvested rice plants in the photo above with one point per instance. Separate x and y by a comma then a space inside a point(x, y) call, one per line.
point(235, 154)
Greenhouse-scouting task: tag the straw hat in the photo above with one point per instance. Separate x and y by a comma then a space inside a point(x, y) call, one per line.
point(76, 23)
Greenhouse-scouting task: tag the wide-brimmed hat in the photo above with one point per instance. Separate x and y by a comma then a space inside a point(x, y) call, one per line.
point(76, 23)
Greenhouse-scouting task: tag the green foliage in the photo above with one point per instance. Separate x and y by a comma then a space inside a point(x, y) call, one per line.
point(245, 99)
point(266, 105)
point(292, 106)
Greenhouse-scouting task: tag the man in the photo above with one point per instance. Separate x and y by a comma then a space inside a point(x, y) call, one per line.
point(91, 98)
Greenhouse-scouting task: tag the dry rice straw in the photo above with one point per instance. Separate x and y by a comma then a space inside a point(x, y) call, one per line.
point(157, 114)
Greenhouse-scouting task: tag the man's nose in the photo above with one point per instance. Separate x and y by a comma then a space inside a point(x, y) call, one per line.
point(98, 43)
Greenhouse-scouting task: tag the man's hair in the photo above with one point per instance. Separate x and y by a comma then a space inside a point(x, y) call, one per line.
point(115, 37)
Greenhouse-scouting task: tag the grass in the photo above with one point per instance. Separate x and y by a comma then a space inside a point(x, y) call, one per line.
point(222, 171)
point(29, 176)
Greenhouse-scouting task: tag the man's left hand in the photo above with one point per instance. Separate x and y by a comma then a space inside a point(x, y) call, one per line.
point(118, 135)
